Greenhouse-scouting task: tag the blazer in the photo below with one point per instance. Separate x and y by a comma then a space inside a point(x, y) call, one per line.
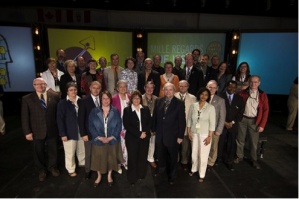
point(65, 78)
point(109, 79)
point(85, 107)
point(234, 111)
point(189, 99)
point(154, 76)
point(67, 119)
point(170, 125)
point(96, 125)
point(116, 102)
point(207, 118)
point(195, 80)
point(219, 104)
point(48, 77)
point(37, 120)
point(132, 124)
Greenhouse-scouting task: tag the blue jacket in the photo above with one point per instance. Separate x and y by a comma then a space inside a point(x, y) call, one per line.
point(96, 125)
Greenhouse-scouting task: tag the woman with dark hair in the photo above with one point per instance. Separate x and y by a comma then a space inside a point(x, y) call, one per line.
point(200, 127)
point(242, 76)
point(137, 122)
point(129, 74)
point(67, 120)
point(105, 126)
point(223, 77)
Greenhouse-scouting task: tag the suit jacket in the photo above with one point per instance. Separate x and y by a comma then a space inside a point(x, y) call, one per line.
point(67, 119)
point(37, 120)
point(234, 111)
point(189, 99)
point(170, 125)
point(154, 76)
point(109, 79)
point(219, 104)
point(195, 80)
point(132, 124)
point(85, 107)
point(64, 79)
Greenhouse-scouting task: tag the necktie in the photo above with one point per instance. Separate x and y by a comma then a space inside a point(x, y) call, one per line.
point(230, 99)
point(182, 97)
point(167, 102)
point(97, 102)
point(43, 102)
point(115, 76)
point(188, 73)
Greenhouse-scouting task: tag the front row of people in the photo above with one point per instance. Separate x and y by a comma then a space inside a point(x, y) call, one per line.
point(95, 136)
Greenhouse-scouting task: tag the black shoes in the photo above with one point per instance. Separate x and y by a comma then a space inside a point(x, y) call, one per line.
point(42, 176)
point(171, 182)
point(87, 175)
point(256, 165)
point(210, 168)
point(55, 172)
point(230, 167)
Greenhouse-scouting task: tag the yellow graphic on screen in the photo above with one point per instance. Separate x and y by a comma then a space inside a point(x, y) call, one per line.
point(5, 58)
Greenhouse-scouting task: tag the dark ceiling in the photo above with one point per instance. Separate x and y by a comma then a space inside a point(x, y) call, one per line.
point(276, 8)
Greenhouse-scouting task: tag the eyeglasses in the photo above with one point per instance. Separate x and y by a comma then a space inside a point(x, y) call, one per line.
point(42, 84)
point(212, 87)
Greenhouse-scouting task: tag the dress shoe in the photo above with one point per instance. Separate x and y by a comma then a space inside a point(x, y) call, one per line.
point(230, 167)
point(87, 175)
point(237, 160)
point(55, 172)
point(74, 174)
point(171, 182)
point(42, 176)
point(200, 180)
point(210, 168)
point(256, 165)
point(184, 166)
point(153, 164)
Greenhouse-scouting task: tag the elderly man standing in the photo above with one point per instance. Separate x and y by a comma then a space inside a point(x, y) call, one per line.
point(39, 126)
point(219, 104)
point(254, 119)
point(169, 123)
point(188, 99)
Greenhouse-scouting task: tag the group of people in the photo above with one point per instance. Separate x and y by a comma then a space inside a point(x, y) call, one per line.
point(113, 118)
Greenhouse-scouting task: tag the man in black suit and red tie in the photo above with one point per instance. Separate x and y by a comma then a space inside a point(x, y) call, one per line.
point(234, 112)
point(169, 123)
point(85, 106)
point(39, 125)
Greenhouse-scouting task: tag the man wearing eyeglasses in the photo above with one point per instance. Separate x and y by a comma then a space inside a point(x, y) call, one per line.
point(38, 115)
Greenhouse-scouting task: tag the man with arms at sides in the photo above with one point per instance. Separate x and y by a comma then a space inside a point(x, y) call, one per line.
point(204, 60)
point(188, 99)
point(85, 107)
point(177, 70)
point(149, 75)
point(112, 74)
point(196, 54)
point(234, 111)
point(157, 64)
point(102, 64)
point(169, 123)
point(213, 69)
point(219, 104)
point(140, 56)
point(61, 57)
point(254, 120)
point(148, 99)
point(193, 75)
point(39, 125)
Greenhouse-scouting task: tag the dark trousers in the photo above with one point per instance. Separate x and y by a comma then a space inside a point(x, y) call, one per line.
point(137, 159)
point(167, 157)
point(45, 153)
point(227, 146)
point(88, 146)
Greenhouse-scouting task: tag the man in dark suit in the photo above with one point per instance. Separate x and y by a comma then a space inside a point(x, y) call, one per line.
point(39, 125)
point(193, 75)
point(149, 75)
point(234, 113)
point(169, 123)
point(86, 105)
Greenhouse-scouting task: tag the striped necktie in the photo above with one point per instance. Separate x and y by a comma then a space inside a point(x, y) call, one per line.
point(42, 100)
point(230, 99)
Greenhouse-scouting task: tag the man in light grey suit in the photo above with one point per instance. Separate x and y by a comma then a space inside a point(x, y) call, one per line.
point(112, 74)
point(188, 99)
point(219, 104)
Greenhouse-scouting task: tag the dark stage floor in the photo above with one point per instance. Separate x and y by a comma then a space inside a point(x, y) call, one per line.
point(278, 177)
